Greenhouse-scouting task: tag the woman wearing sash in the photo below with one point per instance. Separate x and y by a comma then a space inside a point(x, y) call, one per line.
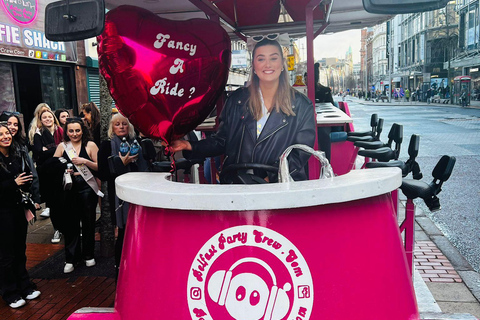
point(81, 200)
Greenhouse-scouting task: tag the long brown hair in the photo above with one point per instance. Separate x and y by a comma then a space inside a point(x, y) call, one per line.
point(284, 96)
point(91, 108)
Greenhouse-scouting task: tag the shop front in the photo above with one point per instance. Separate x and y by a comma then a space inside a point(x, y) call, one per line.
point(32, 68)
point(474, 73)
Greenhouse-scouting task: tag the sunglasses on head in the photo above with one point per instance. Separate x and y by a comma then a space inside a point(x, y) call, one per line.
point(10, 113)
point(271, 36)
point(75, 119)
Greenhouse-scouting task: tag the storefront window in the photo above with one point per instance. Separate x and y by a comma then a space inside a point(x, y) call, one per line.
point(7, 95)
point(475, 74)
point(55, 84)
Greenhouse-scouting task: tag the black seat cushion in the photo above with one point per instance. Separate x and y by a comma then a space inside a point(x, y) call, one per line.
point(369, 144)
point(381, 154)
point(417, 189)
point(360, 133)
point(364, 138)
point(391, 164)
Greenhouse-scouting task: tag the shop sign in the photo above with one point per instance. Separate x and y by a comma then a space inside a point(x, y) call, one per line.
point(291, 62)
point(239, 59)
point(22, 32)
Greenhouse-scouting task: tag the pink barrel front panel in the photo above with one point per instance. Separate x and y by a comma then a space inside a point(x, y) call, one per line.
point(337, 261)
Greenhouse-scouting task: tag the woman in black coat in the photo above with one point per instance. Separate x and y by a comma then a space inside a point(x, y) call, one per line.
point(112, 164)
point(15, 126)
point(15, 212)
point(258, 123)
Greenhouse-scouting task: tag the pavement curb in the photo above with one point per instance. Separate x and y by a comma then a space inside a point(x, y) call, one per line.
point(404, 103)
point(470, 278)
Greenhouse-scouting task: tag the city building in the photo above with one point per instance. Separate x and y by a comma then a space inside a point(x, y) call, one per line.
point(467, 59)
point(34, 69)
point(379, 57)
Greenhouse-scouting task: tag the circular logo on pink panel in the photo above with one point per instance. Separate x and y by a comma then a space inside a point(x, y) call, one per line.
point(22, 11)
point(249, 273)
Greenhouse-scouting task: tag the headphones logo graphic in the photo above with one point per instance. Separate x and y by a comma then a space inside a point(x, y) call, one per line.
point(246, 295)
point(249, 272)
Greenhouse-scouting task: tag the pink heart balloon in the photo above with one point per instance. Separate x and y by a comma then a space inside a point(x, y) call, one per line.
point(165, 76)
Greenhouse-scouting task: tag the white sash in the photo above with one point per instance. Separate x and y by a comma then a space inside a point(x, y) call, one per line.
point(83, 169)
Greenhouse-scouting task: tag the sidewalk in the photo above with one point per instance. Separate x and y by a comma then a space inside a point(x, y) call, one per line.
point(473, 104)
point(62, 294)
point(446, 286)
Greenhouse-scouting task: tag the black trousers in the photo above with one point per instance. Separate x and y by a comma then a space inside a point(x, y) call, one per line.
point(14, 279)
point(324, 142)
point(81, 203)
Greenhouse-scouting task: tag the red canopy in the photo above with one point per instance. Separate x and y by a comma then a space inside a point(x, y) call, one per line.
point(462, 78)
point(263, 12)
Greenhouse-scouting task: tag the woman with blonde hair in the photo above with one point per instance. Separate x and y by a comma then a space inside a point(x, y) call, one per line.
point(259, 122)
point(36, 123)
point(49, 134)
point(109, 151)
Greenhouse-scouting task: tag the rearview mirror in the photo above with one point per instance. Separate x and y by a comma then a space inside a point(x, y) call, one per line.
point(402, 6)
point(73, 20)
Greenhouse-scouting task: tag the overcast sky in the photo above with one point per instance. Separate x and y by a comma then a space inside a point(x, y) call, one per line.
point(334, 45)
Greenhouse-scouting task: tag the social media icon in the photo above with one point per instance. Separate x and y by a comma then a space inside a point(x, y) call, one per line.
point(64, 57)
point(57, 57)
point(303, 292)
point(45, 55)
point(195, 293)
point(31, 53)
point(38, 54)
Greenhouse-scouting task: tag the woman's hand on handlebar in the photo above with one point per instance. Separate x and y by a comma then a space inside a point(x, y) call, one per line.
point(179, 145)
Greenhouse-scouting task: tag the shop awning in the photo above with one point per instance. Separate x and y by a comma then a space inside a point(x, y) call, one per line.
point(462, 78)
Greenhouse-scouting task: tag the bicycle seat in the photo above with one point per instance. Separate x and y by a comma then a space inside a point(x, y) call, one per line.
point(408, 166)
point(373, 124)
point(386, 154)
point(413, 189)
point(368, 138)
point(379, 144)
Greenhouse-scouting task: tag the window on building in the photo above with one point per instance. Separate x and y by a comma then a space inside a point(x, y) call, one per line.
point(7, 94)
point(56, 88)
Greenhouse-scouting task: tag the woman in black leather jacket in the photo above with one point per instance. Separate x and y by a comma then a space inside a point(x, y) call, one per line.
point(259, 122)
point(15, 212)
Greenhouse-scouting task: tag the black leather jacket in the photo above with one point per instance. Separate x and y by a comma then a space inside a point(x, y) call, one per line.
point(237, 135)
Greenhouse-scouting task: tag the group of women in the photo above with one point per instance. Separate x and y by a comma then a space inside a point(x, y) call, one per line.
point(56, 140)
point(257, 124)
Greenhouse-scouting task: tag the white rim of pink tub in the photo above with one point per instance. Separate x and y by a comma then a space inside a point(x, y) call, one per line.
point(157, 191)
